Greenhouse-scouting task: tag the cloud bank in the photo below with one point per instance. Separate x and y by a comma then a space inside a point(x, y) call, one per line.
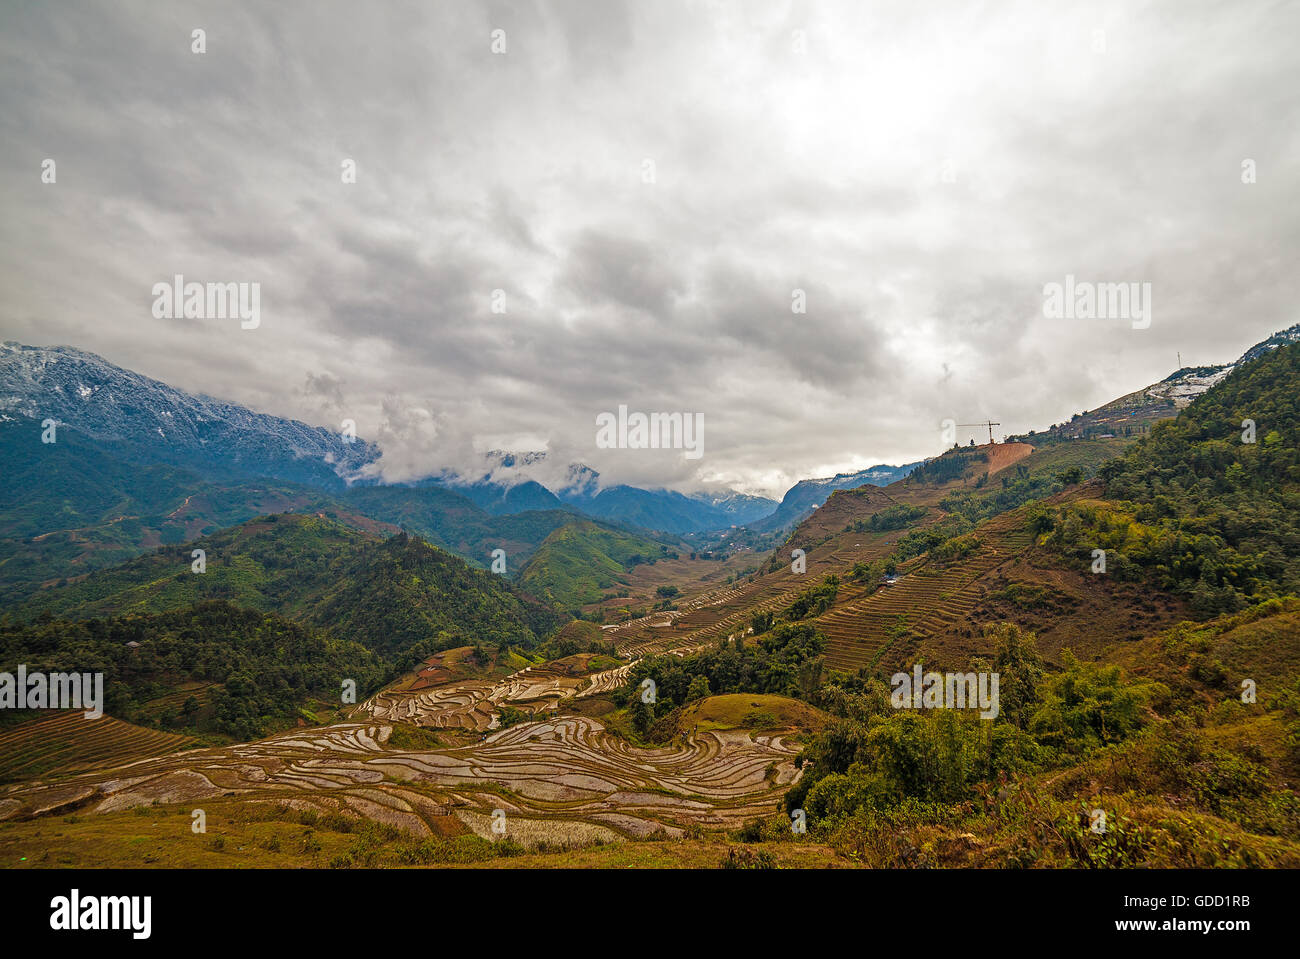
point(622, 206)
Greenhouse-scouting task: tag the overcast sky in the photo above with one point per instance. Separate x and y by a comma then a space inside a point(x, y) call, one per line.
point(920, 170)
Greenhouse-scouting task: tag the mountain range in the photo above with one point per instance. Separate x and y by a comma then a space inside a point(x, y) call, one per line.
point(147, 422)
point(139, 464)
point(1121, 686)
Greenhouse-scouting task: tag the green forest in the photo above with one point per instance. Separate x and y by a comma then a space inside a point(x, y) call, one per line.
point(1208, 504)
point(265, 667)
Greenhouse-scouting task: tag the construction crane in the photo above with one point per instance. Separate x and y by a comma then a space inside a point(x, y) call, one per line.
point(989, 423)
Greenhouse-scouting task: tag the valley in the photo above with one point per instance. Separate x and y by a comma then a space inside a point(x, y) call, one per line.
point(614, 456)
point(505, 719)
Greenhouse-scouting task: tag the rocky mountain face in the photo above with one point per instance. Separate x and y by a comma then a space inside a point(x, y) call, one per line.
point(151, 422)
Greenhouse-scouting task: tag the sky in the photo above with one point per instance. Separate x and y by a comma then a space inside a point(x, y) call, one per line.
point(561, 208)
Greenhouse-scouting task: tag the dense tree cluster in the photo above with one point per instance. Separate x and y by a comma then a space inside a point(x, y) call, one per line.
point(952, 465)
point(267, 666)
point(1208, 503)
point(874, 756)
point(785, 660)
point(814, 600)
point(1014, 490)
point(402, 591)
point(889, 518)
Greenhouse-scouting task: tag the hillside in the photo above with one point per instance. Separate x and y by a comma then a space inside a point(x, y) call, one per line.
point(406, 598)
point(258, 669)
point(579, 561)
point(1261, 643)
point(811, 493)
point(1145, 723)
point(1194, 522)
point(956, 534)
point(272, 562)
point(1205, 506)
point(77, 505)
point(390, 595)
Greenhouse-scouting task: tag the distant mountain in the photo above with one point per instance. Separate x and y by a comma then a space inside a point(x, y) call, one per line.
point(139, 420)
point(742, 507)
point(506, 483)
point(77, 505)
point(806, 495)
point(502, 500)
point(149, 421)
point(448, 519)
point(669, 511)
point(512, 483)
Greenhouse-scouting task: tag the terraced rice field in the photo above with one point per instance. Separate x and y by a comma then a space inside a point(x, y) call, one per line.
point(724, 614)
point(557, 778)
point(925, 600)
point(65, 741)
point(707, 618)
point(475, 704)
point(726, 610)
point(638, 636)
point(606, 680)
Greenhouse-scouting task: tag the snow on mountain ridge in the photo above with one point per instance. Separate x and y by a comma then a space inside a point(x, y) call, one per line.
point(1188, 383)
point(87, 393)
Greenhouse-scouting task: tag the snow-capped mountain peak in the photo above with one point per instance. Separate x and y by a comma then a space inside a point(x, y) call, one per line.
point(157, 422)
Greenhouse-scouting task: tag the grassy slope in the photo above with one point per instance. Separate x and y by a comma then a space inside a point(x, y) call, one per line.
point(580, 560)
point(758, 711)
point(242, 835)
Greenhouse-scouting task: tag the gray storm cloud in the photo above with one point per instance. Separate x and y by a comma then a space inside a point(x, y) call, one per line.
point(647, 184)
